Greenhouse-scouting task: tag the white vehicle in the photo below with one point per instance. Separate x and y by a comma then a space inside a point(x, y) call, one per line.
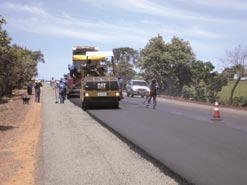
point(137, 88)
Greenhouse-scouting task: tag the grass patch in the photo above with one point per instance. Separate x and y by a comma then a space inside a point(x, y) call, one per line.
point(240, 91)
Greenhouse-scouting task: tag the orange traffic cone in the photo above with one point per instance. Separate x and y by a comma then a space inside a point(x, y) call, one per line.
point(216, 115)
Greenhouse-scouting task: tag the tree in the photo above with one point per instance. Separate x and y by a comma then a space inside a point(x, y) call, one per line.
point(154, 60)
point(17, 65)
point(201, 71)
point(4, 55)
point(229, 72)
point(181, 60)
point(125, 53)
point(4, 38)
point(238, 59)
point(125, 70)
point(169, 63)
point(21, 67)
point(125, 57)
point(214, 85)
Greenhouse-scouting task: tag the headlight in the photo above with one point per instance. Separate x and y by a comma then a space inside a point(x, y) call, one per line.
point(134, 88)
point(117, 94)
point(86, 94)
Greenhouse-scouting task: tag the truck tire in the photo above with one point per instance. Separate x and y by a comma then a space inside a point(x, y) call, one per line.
point(83, 106)
point(116, 105)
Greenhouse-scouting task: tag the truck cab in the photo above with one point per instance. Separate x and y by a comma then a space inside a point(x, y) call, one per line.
point(98, 90)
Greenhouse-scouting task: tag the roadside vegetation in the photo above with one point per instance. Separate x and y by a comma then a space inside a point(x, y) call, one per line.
point(173, 64)
point(240, 95)
point(180, 74)
point(18, 65)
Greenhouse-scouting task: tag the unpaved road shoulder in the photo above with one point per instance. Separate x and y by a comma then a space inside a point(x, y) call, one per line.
point(19, 136)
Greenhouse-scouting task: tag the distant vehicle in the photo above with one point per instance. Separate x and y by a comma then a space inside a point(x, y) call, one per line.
point(235, 77)
point(137, 88)
point(243, 78)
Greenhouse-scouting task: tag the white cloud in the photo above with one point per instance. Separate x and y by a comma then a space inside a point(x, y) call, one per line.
point(24, 8)
point(38, 21)
point(72, 28)
point(198, 32)
point(161, 9)
point(229, 4)
point(127, 23)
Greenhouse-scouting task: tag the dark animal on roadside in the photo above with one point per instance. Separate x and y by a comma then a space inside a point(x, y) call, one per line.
point(25, 99)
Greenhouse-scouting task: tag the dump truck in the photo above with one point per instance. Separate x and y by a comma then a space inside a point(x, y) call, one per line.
point(91, 79)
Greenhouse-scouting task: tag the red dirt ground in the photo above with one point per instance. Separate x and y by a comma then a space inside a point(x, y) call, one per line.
point(20, 126)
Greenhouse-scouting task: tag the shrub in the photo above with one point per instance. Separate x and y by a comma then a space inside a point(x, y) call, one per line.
point(240, 101)
point(188, 92)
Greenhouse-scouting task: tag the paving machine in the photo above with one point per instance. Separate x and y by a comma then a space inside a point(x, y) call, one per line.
point(92, 79)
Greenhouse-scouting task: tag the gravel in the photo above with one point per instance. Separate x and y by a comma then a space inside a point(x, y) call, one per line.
point(77, 150)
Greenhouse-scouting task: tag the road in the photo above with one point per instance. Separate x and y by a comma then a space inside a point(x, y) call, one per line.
point(183, 137)
point(77, 150)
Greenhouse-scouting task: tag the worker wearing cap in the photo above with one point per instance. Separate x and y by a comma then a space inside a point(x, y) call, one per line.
point(37, 87)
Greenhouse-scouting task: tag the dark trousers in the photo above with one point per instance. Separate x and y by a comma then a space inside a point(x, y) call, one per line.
point(29, 90)
point(37, 96)
point(62, 97)
point(154, 96)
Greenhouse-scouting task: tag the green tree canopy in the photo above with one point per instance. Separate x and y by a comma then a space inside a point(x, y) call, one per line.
point(17, 64)
point(4, 38)
point(154, 60)
point(169, 63)
point(237, 58)
point(125, 58)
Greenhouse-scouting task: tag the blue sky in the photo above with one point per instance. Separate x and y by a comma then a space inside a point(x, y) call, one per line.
point(54, 27)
